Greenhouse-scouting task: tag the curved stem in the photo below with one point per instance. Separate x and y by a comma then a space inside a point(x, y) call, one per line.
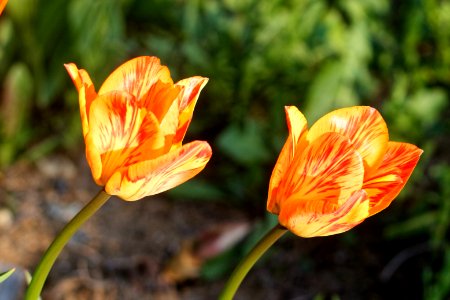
point(247, 263)
point(47, 261)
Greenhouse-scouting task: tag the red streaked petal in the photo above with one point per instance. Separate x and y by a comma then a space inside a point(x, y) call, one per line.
point(278, 173)
point(159, 98)
point(388, 180)
point(79, 77)
point(328, 172)
point(86, 91)
point(160, 174)
point(191, 88)
point(305, 219)
point(94, 158)
point(169, 126)
point(122, 133)
point(363, 125)
point(115, 119)
point(298, 127)
point(136, 76)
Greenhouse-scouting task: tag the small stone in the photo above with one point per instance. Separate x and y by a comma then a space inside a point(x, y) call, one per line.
point(57, 167)
point(6, 218)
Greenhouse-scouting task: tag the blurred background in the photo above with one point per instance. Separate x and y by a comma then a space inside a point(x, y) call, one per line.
point(260, 56)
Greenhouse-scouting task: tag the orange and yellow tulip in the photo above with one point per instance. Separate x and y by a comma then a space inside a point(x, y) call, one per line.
point(341, 171)
point(134, 127)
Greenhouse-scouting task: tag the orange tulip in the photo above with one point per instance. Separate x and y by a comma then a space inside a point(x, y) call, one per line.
point(134, 127)
point(2, 5)
point(333, 176)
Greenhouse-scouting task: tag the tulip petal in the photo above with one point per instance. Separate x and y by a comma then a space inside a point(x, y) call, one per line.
point(363, 125)
point(160, 97)
point(188, 98)
point(136, 76)
point(275, 196)
point(169, 126)
point(191, 90)
point(307, 220)
point(326, 172)
point(2, 5)
point(121, 133)
point(160, 174)
point(297, 126)
point(79, 76)
point(86, 90)
point(389, 179)
point(94, 159)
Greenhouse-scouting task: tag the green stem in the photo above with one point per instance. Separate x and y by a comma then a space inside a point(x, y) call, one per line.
point(247, 263)
point(47, 261)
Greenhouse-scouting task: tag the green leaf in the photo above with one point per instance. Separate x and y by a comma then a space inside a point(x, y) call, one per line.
point(427, 104)
point(14, 110)
point(413, 225)
point(196, 190)
point(244, 144)
point(5, 275)
point(323, 90)
point(19, 84)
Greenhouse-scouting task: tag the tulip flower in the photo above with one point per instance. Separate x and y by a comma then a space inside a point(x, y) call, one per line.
point(342, 170)
point(134, 127)
point(330, 178)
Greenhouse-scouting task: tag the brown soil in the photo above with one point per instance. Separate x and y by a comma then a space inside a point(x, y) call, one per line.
point(131, 250)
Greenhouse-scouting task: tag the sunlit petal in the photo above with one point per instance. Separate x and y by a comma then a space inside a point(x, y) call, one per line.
point(363, 125)
point(159, 98)
point(120, 131)
point(297, 126)
point(280, 169)
point(86, 91)
point(306, 219)
point(94, 159)
point(327, 172)
point(191, 88)
point(169, 127)
point(79, 76)
point(137, 76)
point(390, 178)
point(160, 174)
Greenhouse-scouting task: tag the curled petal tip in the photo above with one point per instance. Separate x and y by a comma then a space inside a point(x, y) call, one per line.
point(389, 179)
point(74, 74)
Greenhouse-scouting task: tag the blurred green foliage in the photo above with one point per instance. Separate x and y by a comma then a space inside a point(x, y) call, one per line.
point(259, 56)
